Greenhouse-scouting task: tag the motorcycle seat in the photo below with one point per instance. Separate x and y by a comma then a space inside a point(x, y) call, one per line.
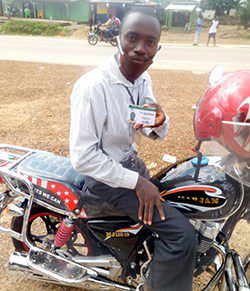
point(51, 167)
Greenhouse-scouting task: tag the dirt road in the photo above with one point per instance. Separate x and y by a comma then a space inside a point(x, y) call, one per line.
point(34, 112)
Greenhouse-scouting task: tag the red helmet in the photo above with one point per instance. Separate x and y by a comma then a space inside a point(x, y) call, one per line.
point(223, 113)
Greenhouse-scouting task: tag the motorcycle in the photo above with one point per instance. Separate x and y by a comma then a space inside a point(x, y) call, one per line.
point(64, 234)
point(108, 36)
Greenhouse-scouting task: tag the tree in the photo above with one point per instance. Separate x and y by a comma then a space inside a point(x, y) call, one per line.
point(245, 14)
point(220, 6)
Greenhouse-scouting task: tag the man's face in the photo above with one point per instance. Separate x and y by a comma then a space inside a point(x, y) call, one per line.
point(139, 40)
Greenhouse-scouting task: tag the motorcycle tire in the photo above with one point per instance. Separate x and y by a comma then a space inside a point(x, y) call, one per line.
point(113, 41)
point(86, 246)
point(92, 39)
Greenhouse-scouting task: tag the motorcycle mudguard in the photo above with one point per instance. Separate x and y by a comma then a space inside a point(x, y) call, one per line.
point(212, 196)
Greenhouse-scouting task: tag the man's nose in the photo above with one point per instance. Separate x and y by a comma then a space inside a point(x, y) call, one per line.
point(140, 48)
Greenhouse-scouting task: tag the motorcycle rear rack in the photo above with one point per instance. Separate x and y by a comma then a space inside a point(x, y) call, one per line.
point(11, 156)
point(10, 178)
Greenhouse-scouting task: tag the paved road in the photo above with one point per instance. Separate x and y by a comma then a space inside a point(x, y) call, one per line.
point(79, 52)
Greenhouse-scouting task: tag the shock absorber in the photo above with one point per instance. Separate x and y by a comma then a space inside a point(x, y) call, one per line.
point(63, 233)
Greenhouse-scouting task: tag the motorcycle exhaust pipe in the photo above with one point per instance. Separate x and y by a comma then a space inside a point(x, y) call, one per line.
point(18, 264)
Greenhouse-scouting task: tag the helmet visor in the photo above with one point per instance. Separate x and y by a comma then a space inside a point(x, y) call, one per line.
point(240, 132)
point(233, 148)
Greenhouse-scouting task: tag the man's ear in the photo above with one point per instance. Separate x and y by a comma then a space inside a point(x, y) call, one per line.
point(159, 47)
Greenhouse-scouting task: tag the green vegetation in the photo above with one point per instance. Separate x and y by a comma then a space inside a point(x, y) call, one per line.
point(220, 6)
point(33, 28)
point(245, 14)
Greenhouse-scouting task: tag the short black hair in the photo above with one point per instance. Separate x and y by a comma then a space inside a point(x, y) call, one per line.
point(145, 10)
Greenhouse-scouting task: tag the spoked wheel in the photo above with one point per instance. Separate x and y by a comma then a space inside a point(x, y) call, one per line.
point(92, 39)
point(113, 41)
point(42, 227)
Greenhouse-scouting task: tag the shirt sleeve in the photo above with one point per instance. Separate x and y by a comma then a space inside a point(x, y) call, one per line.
point(160, 132)
point(88, 116)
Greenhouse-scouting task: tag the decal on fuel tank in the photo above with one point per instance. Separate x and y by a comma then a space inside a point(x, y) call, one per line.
point(195, 197)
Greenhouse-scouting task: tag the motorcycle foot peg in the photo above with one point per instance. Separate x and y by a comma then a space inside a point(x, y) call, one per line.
point(57, 268)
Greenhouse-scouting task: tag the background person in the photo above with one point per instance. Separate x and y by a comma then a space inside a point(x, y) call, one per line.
point(102, 148)
point(115, 25)
point(105, 25)
point(212, 31)
point(27, 12)
point(198, 29)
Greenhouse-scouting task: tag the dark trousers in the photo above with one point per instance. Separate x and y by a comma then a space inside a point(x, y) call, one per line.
point(173, 260)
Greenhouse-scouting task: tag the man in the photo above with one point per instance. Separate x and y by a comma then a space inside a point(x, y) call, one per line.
point(27, 12)
point(198, 30)
point(112, 27)
point(115, 25)
point(101, 147)
point(103, 31)
point(212, 31)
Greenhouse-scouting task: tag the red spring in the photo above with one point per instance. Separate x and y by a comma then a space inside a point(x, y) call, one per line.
point(63, 233)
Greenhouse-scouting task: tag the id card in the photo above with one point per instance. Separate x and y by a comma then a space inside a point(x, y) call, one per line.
point(142, 115)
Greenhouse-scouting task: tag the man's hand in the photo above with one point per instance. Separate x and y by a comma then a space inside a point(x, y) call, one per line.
point(149, 196)
point(159, 118)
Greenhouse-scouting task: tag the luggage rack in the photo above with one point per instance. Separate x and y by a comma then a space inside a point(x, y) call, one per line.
point(11, 156)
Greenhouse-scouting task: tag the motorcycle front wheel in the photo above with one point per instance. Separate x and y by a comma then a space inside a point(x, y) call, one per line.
point(113, 41)
point(92, 39)
point(42, 227)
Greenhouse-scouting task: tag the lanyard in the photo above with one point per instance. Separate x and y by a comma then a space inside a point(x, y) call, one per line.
point(131, 96)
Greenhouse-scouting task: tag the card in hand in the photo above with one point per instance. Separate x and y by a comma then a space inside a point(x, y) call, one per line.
point(142, 115)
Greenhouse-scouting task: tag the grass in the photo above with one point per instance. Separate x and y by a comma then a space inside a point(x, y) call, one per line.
point(33, 28)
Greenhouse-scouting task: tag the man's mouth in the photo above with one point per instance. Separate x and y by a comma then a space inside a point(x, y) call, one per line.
point(139, 59)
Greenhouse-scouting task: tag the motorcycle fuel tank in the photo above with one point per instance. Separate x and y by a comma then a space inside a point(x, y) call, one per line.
point(212, 195)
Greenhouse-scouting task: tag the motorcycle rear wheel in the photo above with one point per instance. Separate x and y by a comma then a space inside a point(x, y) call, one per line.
point(42, 227)
point(92, 39)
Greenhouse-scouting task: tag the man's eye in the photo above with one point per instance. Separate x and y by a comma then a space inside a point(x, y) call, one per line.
point(151, 42)
point(131, 37)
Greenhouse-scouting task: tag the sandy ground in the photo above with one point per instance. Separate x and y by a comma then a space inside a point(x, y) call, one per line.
point(34, 112)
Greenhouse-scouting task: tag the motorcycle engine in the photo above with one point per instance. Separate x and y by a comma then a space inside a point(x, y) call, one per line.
point(207, 232)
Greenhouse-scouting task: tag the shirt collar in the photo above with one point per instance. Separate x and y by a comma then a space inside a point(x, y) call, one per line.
point(116, 77)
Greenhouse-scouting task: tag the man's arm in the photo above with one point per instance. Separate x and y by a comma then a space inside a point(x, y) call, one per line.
point(161, 126)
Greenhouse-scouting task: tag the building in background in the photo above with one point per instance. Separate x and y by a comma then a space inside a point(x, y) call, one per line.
point(101, 9)
point(72, 10)
point(209, 14)
point(81, 11)
point(181, 14)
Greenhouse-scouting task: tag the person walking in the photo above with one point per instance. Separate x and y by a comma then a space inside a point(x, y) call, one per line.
point(212, 31)
point(27, 12)
point(102, 147)
point(198, 29)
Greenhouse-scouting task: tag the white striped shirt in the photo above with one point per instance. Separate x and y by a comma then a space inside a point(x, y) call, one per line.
point(100, 134)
